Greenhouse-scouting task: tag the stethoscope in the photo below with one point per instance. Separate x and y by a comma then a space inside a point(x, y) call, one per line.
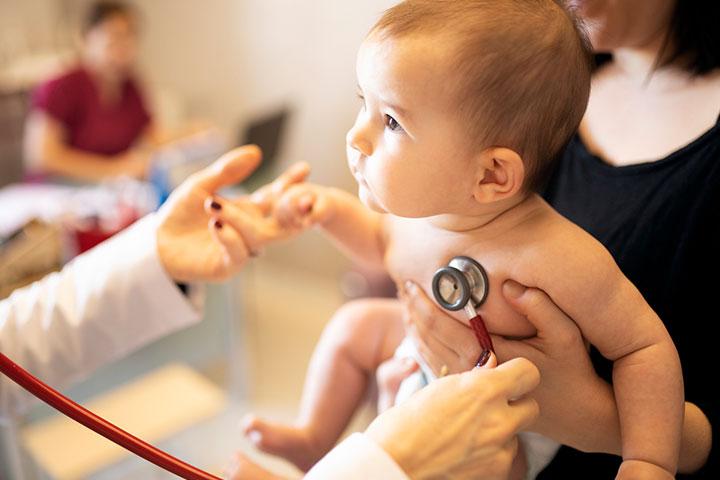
point(463, 285)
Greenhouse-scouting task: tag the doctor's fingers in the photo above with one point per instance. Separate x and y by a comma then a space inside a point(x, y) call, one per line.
point(265, 196)
point(232, 245)
point(433, 322)
point(231, 168)
point(523, 413)
point(257, 231)
point(516, 378)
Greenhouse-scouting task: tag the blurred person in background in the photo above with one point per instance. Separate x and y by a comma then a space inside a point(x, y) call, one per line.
point(92, 121)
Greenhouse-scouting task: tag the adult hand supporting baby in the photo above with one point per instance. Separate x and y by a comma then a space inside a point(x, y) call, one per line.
point(572, 397)
point(469, 427)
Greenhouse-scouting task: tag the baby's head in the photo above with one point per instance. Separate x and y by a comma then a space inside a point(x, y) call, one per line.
point(465, 103)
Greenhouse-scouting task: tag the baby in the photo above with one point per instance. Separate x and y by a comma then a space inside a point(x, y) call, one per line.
point(465, 106)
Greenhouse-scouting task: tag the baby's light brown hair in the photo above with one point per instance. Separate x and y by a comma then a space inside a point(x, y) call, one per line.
point(521, 71)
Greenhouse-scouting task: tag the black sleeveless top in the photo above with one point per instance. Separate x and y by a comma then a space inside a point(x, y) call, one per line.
point(661, 222)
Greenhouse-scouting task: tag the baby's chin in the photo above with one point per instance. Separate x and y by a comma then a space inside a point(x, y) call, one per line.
point(369, 200)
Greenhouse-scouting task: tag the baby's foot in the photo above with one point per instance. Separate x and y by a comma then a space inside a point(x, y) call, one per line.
point(294, 444)
point(245, 469)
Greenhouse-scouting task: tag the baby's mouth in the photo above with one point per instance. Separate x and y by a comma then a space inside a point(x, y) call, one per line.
point(358, 177)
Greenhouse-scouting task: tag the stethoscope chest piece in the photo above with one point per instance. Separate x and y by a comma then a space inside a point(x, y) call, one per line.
point(461, 281)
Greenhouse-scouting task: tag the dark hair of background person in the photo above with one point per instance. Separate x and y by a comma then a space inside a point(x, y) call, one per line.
point(101, 11)
point(693, 39)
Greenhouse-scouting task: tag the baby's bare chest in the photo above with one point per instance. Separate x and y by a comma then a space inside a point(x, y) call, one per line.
point(416, 251)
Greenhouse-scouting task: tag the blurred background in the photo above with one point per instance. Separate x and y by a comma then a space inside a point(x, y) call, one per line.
point(214, 74)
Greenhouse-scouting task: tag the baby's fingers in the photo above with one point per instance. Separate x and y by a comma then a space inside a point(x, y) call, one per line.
point(295, 208)
point(265, 196)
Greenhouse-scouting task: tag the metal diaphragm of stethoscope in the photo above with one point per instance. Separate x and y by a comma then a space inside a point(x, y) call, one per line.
point(463, 285)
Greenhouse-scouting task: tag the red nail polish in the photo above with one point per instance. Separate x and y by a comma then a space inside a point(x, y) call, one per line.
point(215, 205)
point(218, 224)
point(483, 359)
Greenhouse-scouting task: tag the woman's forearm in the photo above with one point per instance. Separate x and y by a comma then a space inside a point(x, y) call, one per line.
point(589, 422)
point(74, 163)
point(45, 148)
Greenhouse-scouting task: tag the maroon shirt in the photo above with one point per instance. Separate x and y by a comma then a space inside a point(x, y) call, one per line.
point(73, 99)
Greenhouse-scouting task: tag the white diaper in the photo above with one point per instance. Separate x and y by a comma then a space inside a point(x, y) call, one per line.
point(539, 450)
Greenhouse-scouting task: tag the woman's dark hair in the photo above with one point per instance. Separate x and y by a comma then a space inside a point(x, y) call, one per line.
point(101, 11)
point(693, 38)
point(695, 35)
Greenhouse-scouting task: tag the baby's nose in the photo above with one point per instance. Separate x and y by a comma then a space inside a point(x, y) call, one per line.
point(356, 140)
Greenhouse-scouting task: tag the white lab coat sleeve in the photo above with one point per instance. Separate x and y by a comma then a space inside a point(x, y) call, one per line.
point(357, 458)
point(101, 306)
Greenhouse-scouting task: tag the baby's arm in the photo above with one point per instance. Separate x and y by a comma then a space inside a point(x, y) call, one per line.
point(583, 279)
point(355, 229)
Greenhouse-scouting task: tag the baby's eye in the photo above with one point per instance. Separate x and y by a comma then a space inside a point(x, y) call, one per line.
point(392, 124)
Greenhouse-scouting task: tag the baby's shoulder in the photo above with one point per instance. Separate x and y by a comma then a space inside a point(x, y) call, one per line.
point(560, 246)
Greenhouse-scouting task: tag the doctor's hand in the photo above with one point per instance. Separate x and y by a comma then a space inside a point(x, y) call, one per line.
point(187, 245)
point(254, 217)
point(469, 427)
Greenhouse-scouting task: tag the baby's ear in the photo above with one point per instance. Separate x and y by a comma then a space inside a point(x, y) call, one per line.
point(500, 174)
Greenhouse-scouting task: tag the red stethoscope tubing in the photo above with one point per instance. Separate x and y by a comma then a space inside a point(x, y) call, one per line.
point(99, 425)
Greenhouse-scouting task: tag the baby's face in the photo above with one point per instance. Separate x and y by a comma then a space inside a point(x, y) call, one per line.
point(408, 150)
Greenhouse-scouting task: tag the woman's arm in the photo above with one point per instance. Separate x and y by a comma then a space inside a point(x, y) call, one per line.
point(45, 148)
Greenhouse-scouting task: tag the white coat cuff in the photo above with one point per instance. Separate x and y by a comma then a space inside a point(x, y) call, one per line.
point(357, 458)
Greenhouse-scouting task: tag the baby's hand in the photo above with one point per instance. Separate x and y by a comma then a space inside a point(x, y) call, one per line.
point(303, 206)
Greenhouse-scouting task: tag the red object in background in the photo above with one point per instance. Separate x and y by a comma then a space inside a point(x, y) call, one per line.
point(99, 425)
point(73, 100)
point(92, 233)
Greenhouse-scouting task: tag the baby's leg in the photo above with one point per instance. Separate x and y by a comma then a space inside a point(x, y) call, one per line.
point(359, 337)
